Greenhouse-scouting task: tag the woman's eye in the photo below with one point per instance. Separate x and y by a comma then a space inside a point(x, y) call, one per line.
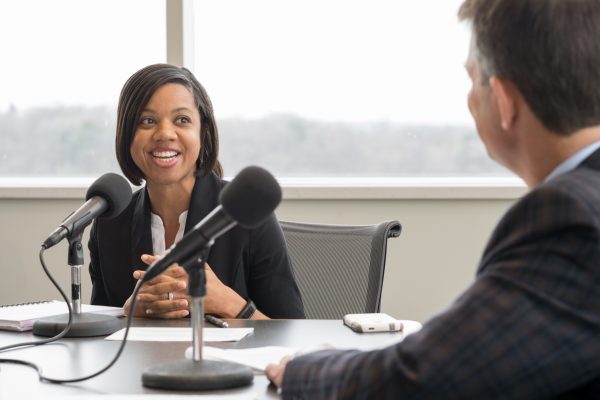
point(146, 121)
point(183, 120)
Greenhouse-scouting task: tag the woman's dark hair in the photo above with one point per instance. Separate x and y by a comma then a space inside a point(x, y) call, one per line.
point(136, 94)
point(550, 49)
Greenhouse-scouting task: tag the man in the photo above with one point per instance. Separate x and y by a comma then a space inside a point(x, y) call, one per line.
point(529, 326)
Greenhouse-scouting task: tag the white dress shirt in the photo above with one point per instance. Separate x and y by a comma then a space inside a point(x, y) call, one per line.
point(157, 228)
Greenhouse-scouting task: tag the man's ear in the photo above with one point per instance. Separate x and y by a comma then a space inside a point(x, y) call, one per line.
point(505, 93)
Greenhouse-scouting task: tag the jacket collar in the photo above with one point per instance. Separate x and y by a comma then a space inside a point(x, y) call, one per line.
point(593, 161)
point(141, 235)
point(205, 197)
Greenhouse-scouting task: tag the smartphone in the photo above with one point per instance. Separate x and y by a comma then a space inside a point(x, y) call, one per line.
point(373, 322)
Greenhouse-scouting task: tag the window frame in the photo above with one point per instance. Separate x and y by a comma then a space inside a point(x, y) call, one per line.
point(309, 188)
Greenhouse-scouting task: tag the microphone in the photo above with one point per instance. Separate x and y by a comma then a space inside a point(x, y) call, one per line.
point(247, 200)
point(106, 197)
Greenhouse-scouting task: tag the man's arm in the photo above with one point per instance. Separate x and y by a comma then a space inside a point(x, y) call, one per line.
point(527, 327)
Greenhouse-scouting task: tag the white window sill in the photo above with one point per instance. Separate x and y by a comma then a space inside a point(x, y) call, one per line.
point(309, 188)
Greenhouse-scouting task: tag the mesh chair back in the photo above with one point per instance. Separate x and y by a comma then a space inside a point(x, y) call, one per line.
point(339, 268)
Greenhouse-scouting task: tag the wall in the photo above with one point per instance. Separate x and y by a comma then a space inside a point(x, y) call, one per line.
point(431, 262)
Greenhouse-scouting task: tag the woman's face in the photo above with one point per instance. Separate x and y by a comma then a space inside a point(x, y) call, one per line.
point(166, 143)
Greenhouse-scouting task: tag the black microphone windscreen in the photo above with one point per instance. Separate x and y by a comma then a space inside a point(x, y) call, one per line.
point(114, 189)
point(251, 196)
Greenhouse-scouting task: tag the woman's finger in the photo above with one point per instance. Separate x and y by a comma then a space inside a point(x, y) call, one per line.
point(166, 287)
point(176, 271)
point(158, 279)
point(171, 307)
point(149, 258)
point(170, 314)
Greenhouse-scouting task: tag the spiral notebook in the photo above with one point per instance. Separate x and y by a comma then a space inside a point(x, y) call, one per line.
point(20, 317)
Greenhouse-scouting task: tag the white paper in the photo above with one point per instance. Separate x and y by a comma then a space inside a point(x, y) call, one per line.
point(256, 358)
point(182, 334)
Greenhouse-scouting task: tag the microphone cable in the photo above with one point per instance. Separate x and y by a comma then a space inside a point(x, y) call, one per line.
point(63, 295)
point(44, 378)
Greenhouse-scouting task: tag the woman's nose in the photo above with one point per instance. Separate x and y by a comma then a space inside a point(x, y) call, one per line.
point(165, 131)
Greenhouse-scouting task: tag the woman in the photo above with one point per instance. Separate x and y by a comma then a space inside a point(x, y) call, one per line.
point(167, 137)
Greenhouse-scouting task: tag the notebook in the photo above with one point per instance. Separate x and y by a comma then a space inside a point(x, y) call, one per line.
point(20, 317)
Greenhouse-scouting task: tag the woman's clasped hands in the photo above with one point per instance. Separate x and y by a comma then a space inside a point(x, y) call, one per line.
point(166, 296)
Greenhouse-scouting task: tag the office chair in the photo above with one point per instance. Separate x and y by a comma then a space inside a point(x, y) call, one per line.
point(339, 268)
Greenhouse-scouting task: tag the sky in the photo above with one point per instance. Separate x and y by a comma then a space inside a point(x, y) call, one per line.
point(397, 60)
point(342, 60)
point(71, 52)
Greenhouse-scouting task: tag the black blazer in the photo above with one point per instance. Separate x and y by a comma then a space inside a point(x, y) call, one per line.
point(253, 262)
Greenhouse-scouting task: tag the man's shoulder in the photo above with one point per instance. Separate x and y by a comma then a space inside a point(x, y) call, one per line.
point(579, 178)
point(558, 211)
point(581, 185)
point(572, 196)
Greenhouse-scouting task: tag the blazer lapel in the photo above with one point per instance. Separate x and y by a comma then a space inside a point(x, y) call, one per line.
point(141, 236)
point(204, 199)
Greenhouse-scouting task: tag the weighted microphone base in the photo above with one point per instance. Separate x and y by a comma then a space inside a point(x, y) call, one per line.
point(82, 325)
point(197, 375)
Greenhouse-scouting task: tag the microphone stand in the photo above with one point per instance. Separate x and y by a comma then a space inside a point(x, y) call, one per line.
point(197, 373)
point(82, 324)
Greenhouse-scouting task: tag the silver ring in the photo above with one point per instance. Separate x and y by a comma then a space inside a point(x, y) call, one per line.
point(170, 296)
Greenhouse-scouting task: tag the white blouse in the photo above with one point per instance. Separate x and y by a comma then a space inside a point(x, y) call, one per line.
point(157, 229)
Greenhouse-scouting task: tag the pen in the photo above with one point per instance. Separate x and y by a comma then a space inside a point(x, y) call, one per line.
point(216, 321)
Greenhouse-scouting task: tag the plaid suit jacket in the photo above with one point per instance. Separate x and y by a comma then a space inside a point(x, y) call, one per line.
point(527, 328)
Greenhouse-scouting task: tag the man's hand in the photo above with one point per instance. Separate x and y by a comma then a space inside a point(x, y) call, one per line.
point(275, 372)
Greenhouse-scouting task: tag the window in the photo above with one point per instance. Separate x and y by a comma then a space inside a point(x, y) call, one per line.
point(339, 87)
point(64, 63)
point(355, 88)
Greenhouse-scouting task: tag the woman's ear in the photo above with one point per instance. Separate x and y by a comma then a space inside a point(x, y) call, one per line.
point(505, 93)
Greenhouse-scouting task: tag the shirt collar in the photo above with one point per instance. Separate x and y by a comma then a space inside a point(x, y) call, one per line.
point(572, 162)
